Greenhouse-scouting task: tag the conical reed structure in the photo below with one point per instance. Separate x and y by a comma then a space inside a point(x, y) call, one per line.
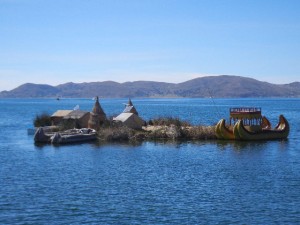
point(97, 116)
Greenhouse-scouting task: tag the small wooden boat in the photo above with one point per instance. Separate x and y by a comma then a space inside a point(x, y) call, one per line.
point(65, 137)
point(281, 131)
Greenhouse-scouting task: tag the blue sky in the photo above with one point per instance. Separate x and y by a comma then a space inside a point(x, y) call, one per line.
point(59, 41)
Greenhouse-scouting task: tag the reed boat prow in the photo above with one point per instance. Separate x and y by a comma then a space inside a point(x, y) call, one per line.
point(217, 129)
point(265, 124)
point(280, 132)
point(223, 131)
point(283, 124)
point(226, 131)
point(236, 132)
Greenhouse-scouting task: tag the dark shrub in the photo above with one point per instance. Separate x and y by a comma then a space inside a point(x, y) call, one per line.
point(42, 120)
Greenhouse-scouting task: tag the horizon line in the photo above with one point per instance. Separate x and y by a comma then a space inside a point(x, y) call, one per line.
point(200, 77)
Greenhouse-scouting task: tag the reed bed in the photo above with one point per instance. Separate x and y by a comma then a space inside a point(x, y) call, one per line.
point(157, 129)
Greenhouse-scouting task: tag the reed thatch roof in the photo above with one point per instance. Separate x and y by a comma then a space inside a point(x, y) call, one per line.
point(129, 108)
point(130, 120)
point(61, 113)
point(97, 109)
point(76, 114)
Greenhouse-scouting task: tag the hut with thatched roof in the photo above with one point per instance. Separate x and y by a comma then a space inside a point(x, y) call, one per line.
point(57, 117)
point(77, 117)
point(129, 108)
point(130, 120)
point(129, 117)
point(97, 116)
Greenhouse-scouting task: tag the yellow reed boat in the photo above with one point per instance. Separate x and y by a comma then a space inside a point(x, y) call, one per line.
point(281, 131)
point(223, 131)
point(249, 124)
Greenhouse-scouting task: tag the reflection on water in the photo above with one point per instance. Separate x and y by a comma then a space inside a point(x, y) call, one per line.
point(239, 146)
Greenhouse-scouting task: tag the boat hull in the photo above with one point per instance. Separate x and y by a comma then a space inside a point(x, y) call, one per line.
point(223, 132)
point(73, 138)
point(69, 136)
point(280, 132)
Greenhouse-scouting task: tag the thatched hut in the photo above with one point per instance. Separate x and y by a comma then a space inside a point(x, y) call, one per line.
point(78, 117)
point(130, 120)
point(129, 117)
point(58, 116)
point(97, 116)
point(129, 108)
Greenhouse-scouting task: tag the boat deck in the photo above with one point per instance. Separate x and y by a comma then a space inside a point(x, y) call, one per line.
point(250, 115)
point(245, 110)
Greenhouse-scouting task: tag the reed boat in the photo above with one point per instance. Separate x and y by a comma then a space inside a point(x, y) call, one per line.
point(281, 131)
point(224, 132)
point(217, 130)
point(252, 121)
point(265, 124)
point(252, 117)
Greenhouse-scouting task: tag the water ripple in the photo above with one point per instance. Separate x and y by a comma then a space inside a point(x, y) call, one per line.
point(211, 182)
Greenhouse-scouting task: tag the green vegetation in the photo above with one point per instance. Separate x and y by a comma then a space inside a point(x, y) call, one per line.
point(42, 120)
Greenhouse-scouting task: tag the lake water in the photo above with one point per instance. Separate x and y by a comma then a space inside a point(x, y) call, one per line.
point(203, 182)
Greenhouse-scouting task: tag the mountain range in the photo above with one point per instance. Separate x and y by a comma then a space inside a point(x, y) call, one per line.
point(223, 86)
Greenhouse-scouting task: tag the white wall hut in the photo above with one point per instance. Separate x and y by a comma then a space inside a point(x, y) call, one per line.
point(130, 120)
point(129, 117)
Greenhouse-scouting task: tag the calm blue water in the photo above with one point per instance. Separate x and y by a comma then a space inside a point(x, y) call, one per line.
point(205, 182)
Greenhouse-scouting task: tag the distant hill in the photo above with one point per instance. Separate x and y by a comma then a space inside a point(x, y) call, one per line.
point(222, 86)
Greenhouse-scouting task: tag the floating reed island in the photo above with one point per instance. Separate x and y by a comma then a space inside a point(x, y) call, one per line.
point(67, 126)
